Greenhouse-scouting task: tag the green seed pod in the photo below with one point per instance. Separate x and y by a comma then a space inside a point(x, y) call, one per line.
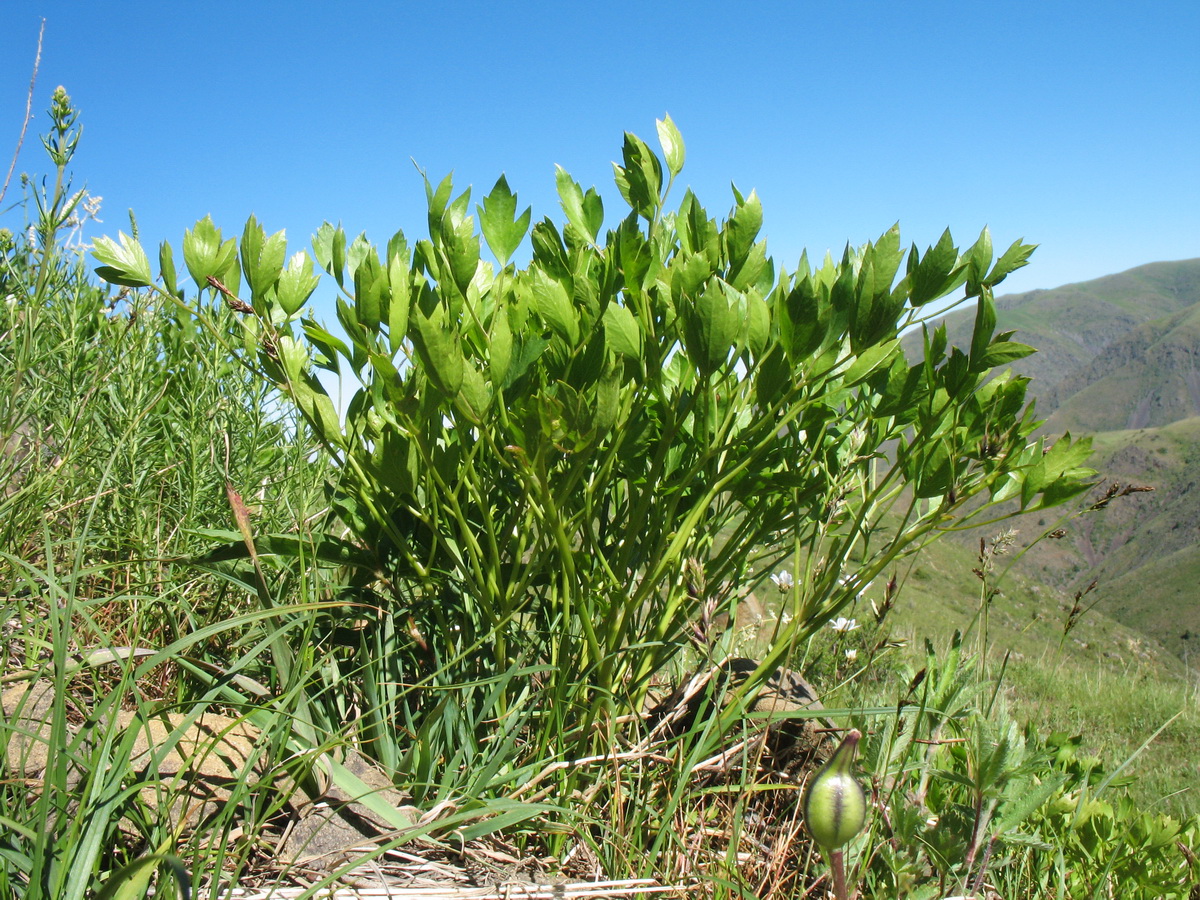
point(835, 806)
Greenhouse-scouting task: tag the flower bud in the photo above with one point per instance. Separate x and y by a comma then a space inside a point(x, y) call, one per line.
point(835, 806)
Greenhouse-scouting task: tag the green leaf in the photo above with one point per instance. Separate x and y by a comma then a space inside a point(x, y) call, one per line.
point(262, 257)
point(322, 245)
point(640, 179)
point(671, 142)
point(758, 323)
point(549, 251)
point(570, 196)
point(584, 211)
point(1014, 258)
point(931, 278)
point(438, 350)
point(337, 259)
point(461, 246)
point(501, 230)
point(501, 346)
point(886, 256)
point(329, 345)
point(621, 331)
point(869, 360)
point(711, 329)
point(125, 263)
point(593, 212)
point(742, 228)
point(553, 304)
point(296, 283)
point(804, 324)
point(474, 394)
point(978, 258)
point(166, 269)
point(206, 255)
point(400, 284)
point(1017, 810)
point(132, 880)
point(1002, 353)
point(371, 295)
point(985, 327)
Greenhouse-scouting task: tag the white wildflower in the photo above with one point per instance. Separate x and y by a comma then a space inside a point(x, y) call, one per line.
point(91, 206)
point(842, 625)
point(851, 655)
point(783, 581)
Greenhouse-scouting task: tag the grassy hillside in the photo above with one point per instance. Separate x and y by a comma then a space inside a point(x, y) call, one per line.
point(1101, 678)
point(1074, 324)
point(1118, 359)
point(1147, 377)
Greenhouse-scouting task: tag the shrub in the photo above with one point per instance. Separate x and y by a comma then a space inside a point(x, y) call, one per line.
point(556, 467)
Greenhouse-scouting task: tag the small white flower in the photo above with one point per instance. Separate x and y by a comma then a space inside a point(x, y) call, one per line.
point(783, 581)
point(851, 655)
point(842, 625)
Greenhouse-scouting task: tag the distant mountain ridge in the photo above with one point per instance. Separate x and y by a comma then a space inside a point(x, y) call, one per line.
point(1119, 358)
point(1074, 324)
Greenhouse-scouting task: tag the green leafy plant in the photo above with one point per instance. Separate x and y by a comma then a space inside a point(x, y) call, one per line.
point(555, 466)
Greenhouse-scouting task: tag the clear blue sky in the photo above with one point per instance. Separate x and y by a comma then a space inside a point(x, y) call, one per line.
point(1075, 125)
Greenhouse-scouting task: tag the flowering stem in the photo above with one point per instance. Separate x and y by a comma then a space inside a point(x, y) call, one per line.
point(837, 866)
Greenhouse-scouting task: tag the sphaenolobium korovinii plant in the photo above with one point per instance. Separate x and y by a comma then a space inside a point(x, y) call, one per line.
point(555, 465)
point(835, 808)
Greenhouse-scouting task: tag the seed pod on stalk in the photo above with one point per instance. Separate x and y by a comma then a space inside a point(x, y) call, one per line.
point(835, 806)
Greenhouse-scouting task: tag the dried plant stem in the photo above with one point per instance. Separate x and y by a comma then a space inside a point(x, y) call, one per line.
point(37, 61)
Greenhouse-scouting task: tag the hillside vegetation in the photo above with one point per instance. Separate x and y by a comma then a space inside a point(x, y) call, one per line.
point(1119, 359)
point(482, 627)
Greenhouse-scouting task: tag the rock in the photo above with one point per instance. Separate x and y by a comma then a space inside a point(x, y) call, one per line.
point(783, 692)
point(325, 832)
point(196, 764)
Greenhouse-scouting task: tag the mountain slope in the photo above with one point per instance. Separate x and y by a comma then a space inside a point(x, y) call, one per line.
point(1073, 325)
point(1149, 376)
point(1119, 358)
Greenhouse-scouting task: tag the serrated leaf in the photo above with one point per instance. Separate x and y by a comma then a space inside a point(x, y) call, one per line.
point(570, 195)
point(400, 283)
point(742, 229)
point(371, 293)
point(205, 255)
point(460, 243)
point(711, 329)
point(262, 257)
point(593, 212)
point(640, 179)
point(124, 263)
point(474, 394)
point(296, 283)
point(1014, 258)
point(868, 361)
point(329, 345)
point(929, 277)
point(502, 229)
point(978, 258)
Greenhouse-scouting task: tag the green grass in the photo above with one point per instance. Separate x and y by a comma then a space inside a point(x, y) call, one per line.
point(1102, 680)
point(168, 548)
